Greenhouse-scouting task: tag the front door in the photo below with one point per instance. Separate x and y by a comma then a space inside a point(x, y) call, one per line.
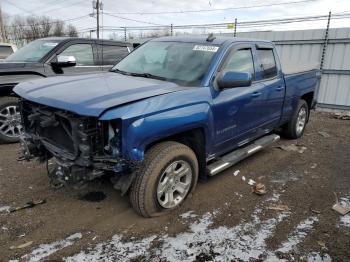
point(85, 60)
point(236, 110)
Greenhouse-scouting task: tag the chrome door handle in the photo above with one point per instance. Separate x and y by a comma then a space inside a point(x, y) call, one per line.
point(256, 94)
point(280, 88)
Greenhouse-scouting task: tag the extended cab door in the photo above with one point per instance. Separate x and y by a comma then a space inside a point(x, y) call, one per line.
point(84, 54)
point(110, 54)
point(269, 73)
point(237, 111)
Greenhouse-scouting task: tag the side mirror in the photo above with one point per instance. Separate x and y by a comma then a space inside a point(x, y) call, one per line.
point(234, 79)
point(64, 61)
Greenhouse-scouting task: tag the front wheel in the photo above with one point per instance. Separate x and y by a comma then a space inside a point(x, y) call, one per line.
point(296, 127)
point(10, 120)
point(168, 176)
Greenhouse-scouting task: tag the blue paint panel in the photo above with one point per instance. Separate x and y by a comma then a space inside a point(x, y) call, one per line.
point(150, 109)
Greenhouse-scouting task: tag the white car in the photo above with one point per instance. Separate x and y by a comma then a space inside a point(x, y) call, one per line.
point(6, 49)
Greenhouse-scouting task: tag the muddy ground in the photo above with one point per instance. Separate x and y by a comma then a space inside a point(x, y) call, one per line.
point(222, 221)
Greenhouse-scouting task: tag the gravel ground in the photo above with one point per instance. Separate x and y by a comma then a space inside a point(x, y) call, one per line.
point(222, 221)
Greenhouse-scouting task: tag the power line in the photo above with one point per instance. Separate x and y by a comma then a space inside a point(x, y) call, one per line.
point(244, 24)
point(212, 10)
point(62, 7)
point(18, 7)
point(134, 20)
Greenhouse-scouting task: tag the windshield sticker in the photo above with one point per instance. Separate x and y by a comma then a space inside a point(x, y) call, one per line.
point(206, 48)
point(50, 44)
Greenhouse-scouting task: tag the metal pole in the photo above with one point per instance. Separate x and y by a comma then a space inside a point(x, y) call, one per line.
point(98, 18)
point(125, 34)
point(235, 29)
point(2, 28)
point(325, 43)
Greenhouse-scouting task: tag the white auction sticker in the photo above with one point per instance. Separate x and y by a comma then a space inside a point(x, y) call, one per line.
point(206, 48)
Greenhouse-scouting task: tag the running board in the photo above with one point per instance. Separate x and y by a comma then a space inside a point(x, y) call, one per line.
point(237, 155)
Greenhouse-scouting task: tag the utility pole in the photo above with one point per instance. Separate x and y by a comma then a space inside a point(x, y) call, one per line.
point(97, 5)
point(235, 29)
point(325, 43)
point(2, 28)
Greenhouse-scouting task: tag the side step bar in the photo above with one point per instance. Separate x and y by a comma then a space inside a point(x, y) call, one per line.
point(237, 155)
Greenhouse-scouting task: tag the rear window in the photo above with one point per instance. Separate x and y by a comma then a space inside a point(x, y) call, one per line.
point(267, 63)
point(5, 51)
point(113, 54)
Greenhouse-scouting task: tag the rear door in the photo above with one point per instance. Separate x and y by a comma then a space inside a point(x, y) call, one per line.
point(109, 54)
point(269, 73)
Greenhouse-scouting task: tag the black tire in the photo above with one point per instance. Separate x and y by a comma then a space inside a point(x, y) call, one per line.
point(290, 130)
point(5, 102)
point(143, 191)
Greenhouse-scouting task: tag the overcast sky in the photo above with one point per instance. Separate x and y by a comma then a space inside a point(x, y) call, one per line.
point(68, 9)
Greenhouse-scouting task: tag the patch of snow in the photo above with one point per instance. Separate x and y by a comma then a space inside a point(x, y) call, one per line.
point(315, 257)
point(189, 214)
point(115, 250)
point(236, 172)
point(244, 241)
point(5, 209)
point(243, 178)
point(345, 220)
point(298, 235)
point(45, 250)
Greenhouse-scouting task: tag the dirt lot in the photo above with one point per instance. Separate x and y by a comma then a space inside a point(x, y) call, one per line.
point(223, 221)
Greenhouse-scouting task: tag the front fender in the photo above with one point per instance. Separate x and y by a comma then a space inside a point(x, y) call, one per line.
point(152, 128)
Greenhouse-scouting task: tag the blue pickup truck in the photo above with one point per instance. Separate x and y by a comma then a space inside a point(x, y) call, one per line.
point(174, 110)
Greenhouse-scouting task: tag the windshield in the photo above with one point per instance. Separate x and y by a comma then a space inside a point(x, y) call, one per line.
point(185, 63)
point(33, 51)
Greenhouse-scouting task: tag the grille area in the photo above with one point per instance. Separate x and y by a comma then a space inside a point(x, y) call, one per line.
point(66, 132)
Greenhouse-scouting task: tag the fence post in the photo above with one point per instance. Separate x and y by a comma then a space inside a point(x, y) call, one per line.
point(125, 34)
point(171, 29)
point(235, 29)
point(325, 43)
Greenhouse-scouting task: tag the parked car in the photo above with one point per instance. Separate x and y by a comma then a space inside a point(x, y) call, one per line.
point(6, 49)
point(51, 57)
point(174, 110)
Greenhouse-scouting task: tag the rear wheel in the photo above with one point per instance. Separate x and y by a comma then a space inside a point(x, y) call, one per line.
point(168, 176)
point(10, 120)
point(296, 127)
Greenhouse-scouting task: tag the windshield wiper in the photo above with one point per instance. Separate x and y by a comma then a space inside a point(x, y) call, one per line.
point(120, 71)
point(148, 75)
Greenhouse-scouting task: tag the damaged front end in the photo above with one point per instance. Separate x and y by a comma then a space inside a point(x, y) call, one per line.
point(82, 148)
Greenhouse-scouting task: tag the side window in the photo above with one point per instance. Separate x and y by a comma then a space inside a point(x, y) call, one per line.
point(240, 61)
point(112, 54)
point(267, 63)
point(5, 51)
point(82, 53)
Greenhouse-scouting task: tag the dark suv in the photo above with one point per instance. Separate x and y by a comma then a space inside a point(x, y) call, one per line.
point(51, 57)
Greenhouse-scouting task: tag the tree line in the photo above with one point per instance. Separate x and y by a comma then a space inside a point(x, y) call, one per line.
point(21, 30)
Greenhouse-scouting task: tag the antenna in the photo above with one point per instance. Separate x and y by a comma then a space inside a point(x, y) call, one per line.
point(211, 37)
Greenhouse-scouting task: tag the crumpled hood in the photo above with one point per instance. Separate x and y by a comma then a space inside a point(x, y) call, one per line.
point(92, 94)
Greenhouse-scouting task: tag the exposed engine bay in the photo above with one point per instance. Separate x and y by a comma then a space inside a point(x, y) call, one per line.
point(79, 148)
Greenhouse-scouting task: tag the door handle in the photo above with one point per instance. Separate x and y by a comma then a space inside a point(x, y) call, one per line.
point(280, 88)
point(256, 94)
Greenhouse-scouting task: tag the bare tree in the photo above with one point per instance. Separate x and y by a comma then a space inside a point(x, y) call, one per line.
point(22, 30)
point(58, 29)
point(71, 31)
